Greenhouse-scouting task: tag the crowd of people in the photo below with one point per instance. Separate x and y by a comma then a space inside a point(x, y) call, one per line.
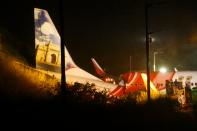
point(175, 89)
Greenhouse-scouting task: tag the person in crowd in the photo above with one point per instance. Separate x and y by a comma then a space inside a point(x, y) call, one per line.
point(122, 83)
point(181, 99)
point(188, 93)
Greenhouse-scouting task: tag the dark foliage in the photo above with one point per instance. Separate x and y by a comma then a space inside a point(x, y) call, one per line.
point(24, 102)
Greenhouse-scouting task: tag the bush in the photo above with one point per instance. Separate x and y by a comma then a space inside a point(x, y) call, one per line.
point(38, 96)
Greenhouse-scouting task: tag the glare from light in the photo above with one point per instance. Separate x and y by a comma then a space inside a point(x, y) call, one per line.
point(152, 39)
point(163, 70)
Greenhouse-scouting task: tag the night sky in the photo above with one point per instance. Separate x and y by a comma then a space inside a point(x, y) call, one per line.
point(113, 30)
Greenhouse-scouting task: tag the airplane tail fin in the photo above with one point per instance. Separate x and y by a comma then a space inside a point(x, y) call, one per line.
point(48, 54)
point(97, 68)
point(47, 42)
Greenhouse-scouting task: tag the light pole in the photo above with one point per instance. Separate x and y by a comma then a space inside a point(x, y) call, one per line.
point(154, 68)
point(130, 64)
point(147, 5)
point(63, 75)
point(154, 59)
point(148, 40)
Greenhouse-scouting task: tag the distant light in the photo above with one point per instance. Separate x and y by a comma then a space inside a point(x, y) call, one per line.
point(152, 39)
point(163, 70)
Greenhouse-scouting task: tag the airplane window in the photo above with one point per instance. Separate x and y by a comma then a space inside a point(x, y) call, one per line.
point(180, 78)
point(189, 78)
point(53, 58)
